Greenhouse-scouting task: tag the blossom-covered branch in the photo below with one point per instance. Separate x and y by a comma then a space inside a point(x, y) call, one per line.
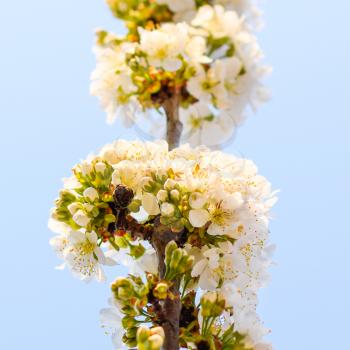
point(211, 62)
point(214, 210)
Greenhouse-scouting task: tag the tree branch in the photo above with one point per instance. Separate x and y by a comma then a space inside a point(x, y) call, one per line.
point(174, 125)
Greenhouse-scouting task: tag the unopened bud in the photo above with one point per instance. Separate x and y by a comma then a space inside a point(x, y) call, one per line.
point(167, 209)
point(143, 334)
point(81, 218)
point(169, 184)
point(100, 167)
point(162, 195)
point(161, 290)
point(122, 196)
point(175, 195)
point(169, 249)
point(73, 207)
point(176, 258)
point(131, 333)
point(137, 250)
point(155, 342)
point(213, 304)
point(129, 322)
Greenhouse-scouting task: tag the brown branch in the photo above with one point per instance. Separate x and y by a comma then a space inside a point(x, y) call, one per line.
point(171, 307)
point(127, 223)
point(174, 125)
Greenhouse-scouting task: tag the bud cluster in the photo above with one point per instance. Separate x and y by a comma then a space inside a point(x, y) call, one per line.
point(150, 339)
point(84, 203)
point(177, 261)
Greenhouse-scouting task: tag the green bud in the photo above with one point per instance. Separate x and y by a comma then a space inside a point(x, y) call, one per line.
point(170, 248)
point(67, 196)
point(161, 290)
point(175, 195)
point(131, 343)
point(109, 218)
point(155, 342)
point(213, 304)
point(134, 206)
point(131, 333)
point(129, 322)
point(176, 258)
point(142, 334)
point(137, 250)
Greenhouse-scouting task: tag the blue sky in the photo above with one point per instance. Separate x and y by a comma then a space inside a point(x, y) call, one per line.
point(300, 141)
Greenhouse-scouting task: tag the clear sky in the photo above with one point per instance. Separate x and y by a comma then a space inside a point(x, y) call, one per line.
point(300, 140)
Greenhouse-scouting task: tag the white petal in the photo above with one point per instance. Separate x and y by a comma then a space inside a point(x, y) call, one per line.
point(199, 267)
point(197, 200)
point(198, 217)
point(150, 204)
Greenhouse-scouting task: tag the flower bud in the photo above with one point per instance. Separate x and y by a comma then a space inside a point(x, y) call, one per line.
point(175, 195)
point(91, 193)
point(167, 209)
point(67, 196)
point(131, 333)
point(155, 342)
point(169, 249)
point(137, 251)
point(81, 218)
point(213, 304)
point(162, 195)
point(73, 207)
point(169, 184)
point(143, 334)
point(129, 322)
point(100, 167)
point(158, 330)
point(161, 290)
point(176, 258)
point(122, 196)
point(86, 168)
point(134, 206)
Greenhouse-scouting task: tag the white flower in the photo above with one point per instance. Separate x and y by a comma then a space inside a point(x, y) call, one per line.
point(126, 173)
point(202, 85)
point(223, 213)
point(91, 193)
point(84, 257)
point(218, 22)
point(164, 45)
point(196, 48)
point(81, 218)
point(80, 253)
point(203, 126)
point(206, 268)
point(150, 204)
point(111, 322)
point(111, 80)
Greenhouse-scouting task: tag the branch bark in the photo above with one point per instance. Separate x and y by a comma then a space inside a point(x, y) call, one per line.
point(174, 125)
point(162, 235)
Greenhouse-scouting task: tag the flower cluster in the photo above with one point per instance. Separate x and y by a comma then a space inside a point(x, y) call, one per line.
point(211, 65)
point(150, 13)
point(216, 207)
